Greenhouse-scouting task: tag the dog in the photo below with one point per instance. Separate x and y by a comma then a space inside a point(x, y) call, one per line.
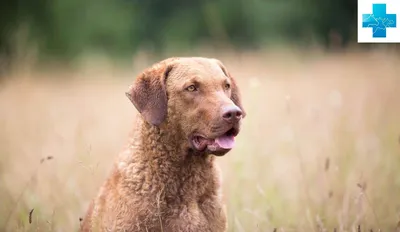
point(166, 180)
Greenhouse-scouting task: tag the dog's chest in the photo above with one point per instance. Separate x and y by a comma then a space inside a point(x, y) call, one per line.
point(195, 216)
point(194, 204)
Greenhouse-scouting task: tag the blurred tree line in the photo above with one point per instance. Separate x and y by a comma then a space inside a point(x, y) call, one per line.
point(66, 28)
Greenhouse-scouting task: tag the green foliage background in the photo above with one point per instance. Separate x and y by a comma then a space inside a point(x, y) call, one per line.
point(67, 28)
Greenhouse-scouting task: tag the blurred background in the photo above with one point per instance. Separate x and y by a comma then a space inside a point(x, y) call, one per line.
point(319, 149)
point(62, 29)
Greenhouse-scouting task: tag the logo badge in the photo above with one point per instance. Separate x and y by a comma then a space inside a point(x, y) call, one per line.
point(378, 21)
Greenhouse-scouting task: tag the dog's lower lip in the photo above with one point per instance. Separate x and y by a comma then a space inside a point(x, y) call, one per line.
point(197, 143)
point(202, 143)
point(197, 138)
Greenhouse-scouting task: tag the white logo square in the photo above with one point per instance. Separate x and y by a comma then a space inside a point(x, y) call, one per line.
point(378, 21)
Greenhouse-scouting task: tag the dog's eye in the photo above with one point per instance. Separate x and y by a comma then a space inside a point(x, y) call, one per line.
point(191, 88)
point(227, 86)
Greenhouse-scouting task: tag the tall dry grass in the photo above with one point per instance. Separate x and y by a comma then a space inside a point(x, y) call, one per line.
point(319, 148)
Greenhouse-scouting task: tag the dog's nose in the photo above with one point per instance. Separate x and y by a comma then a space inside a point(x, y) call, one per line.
point(232, 114)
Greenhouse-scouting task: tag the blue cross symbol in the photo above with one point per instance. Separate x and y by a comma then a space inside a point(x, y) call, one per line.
point(379, 20)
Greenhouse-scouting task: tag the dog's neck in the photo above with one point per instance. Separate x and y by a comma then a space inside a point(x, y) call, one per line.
point(158, 153)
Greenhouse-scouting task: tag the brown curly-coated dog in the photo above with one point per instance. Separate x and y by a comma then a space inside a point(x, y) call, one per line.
point(166, 180)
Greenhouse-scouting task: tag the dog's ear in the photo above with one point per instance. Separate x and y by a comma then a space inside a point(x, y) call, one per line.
point(235, 92)
point(149, 95)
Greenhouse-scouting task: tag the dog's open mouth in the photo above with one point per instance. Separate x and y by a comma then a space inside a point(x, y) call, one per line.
point(225, 141)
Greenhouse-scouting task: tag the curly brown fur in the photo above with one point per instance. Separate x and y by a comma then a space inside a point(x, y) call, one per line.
point(162, 181)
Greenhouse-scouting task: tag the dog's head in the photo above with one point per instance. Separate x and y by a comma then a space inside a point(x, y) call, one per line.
point(196, 94)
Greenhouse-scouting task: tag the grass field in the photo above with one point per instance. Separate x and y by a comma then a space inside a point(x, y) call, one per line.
point(319, 149)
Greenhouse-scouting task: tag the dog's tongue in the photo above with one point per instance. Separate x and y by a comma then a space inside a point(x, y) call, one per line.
point(225, 141)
